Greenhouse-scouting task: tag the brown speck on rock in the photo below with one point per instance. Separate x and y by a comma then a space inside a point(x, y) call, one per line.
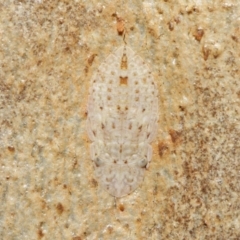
point(75, 162)
point(198, 34)
point(175, 135)
point(67, 49)
point(91, 59)
point(86, 69)
point(126, 226)
point(234, 38)
point(121, 207)
point(236, 35)
point(181, 108)
point(238, 94)
point(11, 149)
point(162, 148)
point(110, 229)
point(40, 233)
point(155, 190)
point(170, 25)
point(206, 51)
point(139, 220)
point(177, 19)
point(60, 208)
point(77, 238)
point(94, 183)
point(191, 9)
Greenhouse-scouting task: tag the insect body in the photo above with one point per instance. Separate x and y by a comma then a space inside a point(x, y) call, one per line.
point(122, 121)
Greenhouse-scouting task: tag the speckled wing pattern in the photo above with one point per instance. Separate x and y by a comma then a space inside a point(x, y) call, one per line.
point(122, 121)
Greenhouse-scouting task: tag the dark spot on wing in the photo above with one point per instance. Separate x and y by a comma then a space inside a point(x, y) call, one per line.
point(123, 80)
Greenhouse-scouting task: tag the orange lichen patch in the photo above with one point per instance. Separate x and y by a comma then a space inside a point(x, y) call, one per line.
point(123, 80)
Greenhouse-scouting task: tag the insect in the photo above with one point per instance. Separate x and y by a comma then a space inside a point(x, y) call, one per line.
point(122, 120)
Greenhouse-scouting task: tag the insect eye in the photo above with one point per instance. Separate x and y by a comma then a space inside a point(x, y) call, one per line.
point(97, 162)
point(143, 163)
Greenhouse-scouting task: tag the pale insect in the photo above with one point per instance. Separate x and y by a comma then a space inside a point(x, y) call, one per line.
point(122, 121)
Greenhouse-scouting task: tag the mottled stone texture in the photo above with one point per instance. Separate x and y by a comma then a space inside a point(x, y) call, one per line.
point(49, 51)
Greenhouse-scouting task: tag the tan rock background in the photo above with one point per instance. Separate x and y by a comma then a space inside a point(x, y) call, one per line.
point(48, 53)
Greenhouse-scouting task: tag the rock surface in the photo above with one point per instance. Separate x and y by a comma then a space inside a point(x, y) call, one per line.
point(49, 51)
